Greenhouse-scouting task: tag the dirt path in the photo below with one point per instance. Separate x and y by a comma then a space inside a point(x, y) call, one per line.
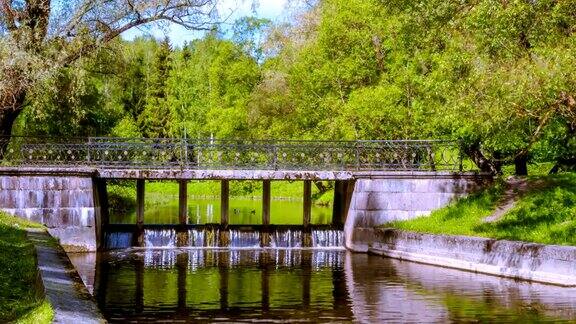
point(515, 187)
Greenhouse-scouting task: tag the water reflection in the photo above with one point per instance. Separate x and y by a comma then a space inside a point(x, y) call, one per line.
point(310, 286)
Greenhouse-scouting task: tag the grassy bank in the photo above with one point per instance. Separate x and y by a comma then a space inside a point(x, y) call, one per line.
point(20, 300)
point(544, 211)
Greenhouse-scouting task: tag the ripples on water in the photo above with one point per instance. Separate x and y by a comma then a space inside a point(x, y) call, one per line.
point(310, 286)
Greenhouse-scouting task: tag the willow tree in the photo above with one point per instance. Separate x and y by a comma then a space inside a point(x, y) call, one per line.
point(39, 37)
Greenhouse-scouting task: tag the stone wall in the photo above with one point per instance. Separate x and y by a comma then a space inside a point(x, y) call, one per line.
point(520, 260)
point(402, 196)
point(65, 204)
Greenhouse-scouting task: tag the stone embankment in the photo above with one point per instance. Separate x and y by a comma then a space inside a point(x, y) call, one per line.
point(65, 205)
point(548, 264)
point(71, 301)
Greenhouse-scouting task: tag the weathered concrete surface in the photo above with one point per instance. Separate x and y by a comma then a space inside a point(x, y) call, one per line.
point(71, 301)
point(380, 200)
point(65, 204)
point(220, 174)
point(548, 264)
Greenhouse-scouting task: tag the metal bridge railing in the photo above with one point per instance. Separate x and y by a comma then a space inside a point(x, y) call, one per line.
point(108, 152)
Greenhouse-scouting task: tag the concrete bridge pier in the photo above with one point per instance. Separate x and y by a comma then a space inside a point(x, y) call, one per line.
point(343, 190)
point(307, 214)
point(224, 212)
point(181, 230)
point(139, 235)
point(266, 199)
point(102, 215)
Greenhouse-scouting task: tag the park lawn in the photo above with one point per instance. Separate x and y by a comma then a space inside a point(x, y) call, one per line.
point(543, 213)
point(20, 300)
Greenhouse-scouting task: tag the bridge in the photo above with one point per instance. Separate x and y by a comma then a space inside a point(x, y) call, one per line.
point(61, 182)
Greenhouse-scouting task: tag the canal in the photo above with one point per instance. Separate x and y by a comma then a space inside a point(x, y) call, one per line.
point(309, 285)
point(198, 280)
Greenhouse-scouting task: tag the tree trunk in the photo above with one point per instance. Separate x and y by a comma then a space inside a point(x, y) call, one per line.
point(10, 109)
point(521, 164)
point(483, 163)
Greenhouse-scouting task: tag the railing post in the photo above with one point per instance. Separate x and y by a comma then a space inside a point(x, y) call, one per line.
point(357, 157)
point(275, 157)
point(430, 151)
point(460, 156)
point(88, 146)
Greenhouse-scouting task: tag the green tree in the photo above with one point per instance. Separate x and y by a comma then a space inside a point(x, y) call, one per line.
point(155, 118)
point(209, 89)
point(40, 37)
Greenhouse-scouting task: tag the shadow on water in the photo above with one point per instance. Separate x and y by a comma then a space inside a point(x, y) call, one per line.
point(310, 286)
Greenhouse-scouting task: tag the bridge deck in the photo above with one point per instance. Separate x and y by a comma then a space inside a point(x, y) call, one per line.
point(180, 174)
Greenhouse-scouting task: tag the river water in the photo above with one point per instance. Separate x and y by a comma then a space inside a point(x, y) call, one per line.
point(188, 277)
point(306, 285)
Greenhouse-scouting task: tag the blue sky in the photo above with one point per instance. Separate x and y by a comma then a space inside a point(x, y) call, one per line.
point(271, 9)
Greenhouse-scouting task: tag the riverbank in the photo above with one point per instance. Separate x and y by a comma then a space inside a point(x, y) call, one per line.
point(521, 228)
point(549, 264)
point(21, 292)
point(540, 209)
point(70, 300)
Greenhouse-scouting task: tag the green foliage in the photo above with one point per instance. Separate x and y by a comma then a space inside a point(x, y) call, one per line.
point(498, 75)
point(21, 298)
point(155, 117)
point(210, 87)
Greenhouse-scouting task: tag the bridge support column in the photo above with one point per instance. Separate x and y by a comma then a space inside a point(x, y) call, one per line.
point(102, 212)
point(140, 186)
point(183, 202)
point(224, 212)
point(182, 231)
point(224, 202)
point(307, 203)
point(342, 197)
point(266, 197)
point(307, 214)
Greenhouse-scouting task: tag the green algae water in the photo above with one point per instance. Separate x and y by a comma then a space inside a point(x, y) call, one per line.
point(241, 212)
point(306, 285)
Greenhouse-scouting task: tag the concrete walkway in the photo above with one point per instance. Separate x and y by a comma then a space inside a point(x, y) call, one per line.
point(64, 289)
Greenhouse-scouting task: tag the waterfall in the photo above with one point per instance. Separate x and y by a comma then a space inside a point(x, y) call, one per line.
point(286, 239)
point(208, 237)
point(118, 240)
point(241, 239)
point(160, 238)
point(327, 238)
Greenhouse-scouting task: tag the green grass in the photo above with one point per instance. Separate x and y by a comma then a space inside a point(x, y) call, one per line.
point(545, 213)
point(122, 194)
point(20, 298)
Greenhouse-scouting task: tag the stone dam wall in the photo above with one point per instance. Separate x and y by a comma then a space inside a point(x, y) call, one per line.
point(402, 196)
point(548, 264)
point(65, 204)
point(68, 202)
